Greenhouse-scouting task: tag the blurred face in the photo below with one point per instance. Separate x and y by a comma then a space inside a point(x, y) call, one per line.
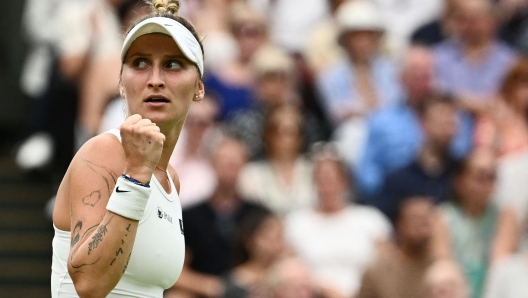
point(295, 281)
point(474, 21)
point(415, 222)
point(228, 160)
point(200, 118)
point(268, 241)
point(361, 45)
point(439, 124)
point(417, 74)
point(284, 138)
point(476, 184)
point(520, 96)
point(331, 184)
point(158, 81)
point(249, 36)
point(273, 88)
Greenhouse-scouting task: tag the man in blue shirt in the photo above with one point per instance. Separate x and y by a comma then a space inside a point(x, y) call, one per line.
point(430, 173)
point(394, 133)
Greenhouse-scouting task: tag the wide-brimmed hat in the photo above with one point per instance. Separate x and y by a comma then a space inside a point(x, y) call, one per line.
point(359, 15)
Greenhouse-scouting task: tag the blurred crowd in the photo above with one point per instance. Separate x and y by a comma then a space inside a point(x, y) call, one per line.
point(345, 148)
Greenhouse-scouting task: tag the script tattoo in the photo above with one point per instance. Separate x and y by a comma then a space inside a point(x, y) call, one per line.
point(126, 265)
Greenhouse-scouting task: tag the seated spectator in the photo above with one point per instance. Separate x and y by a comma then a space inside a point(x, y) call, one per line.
point(366, 80)
point(399, 271)
point(404, 18)
point(191, 157)
point(437, 30)
point(394, 133)
point(430, 173)
point(445, 279)
point(336, 239)
point(274, 73)
point(259, 244)
point(289, 277)
point(471, 229)
point(232, 83)
point(504, 129)
point(210, 226)
point(515, 29)
point(473, 63)
point(282, 181)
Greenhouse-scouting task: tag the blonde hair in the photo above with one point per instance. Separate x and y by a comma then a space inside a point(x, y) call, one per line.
point(170, 7)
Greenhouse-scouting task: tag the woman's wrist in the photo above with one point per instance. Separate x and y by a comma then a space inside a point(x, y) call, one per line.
point(141, 175)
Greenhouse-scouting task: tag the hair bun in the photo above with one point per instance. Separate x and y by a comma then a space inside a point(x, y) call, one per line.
point(166, 6)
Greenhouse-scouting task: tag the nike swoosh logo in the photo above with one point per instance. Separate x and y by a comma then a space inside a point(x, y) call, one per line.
point(117, 190)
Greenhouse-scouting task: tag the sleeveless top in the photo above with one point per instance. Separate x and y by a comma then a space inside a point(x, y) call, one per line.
point(157, 256)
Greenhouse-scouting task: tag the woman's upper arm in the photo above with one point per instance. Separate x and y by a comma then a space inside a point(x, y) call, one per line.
point(441, 244)
point(506, 236)
point(91, 180)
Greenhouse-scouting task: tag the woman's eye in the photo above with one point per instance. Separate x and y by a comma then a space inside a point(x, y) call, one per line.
point(140, 63)
point(173, 65)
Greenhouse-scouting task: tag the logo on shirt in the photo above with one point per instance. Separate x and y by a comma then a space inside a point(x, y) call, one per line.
point(164, 215)
point(181, 226)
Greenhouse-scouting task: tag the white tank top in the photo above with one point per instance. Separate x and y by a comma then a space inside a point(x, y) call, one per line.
point(157, 256)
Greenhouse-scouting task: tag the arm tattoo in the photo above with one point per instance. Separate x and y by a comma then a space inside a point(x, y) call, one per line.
point(126, 265)
point(92, 199)
point(98, 237)
point(76, 233)
point(106, 174)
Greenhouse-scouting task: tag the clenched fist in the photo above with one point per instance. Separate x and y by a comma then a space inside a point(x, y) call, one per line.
point(143, 144)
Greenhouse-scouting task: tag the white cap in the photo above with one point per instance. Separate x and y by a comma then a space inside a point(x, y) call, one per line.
point(181, 35)
point(359, 15)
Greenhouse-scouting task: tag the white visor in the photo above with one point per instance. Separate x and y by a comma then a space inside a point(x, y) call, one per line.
point(181, 35)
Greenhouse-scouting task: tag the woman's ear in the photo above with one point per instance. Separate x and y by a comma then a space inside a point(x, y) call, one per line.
point(200, 91)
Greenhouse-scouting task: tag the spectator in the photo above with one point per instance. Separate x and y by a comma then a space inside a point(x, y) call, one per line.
point(290, 278)
point(282, 181)
point(430, 173)
point(191, 157)
point(394, 134)
point(290, 29)
point(210, 226)
point(437, 30)
point(323, 50)
point(336, 239)
point(274, 73)
point(445, 279)
point(232, 83)
point(367, 80)
point(504, 129)
point(404, 18)
point(471, 229)
point(399, 271)
point(515, 30)
point(260, 243)
point(472, 64)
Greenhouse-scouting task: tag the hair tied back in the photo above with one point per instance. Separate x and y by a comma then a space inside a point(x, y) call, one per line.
point(166, 6)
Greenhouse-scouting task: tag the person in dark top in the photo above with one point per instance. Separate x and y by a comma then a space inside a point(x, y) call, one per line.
point(429, 174)
point(210, 226)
